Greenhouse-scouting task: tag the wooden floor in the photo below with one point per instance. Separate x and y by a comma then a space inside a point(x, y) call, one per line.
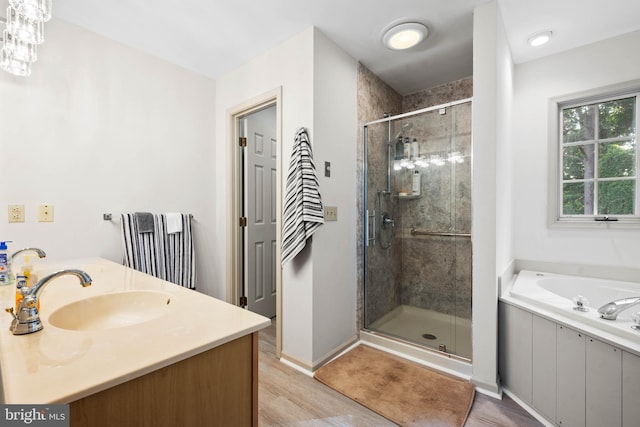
point(288, 397)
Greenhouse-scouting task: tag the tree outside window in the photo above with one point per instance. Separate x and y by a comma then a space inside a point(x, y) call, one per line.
point(599, 158)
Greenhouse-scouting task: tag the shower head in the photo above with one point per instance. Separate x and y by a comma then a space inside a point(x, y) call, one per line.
point(405, 127)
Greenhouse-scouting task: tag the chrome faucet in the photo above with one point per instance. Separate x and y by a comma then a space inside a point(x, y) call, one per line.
point(27, 318)
point(611, 310)
point(40, 252)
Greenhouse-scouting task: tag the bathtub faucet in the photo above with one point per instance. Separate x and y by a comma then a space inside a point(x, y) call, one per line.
point(611, 310)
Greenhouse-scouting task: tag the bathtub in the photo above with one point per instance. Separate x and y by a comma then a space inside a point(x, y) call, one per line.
point(552, 295)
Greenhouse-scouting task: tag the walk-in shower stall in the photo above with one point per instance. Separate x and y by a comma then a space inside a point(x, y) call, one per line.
point(417, 228)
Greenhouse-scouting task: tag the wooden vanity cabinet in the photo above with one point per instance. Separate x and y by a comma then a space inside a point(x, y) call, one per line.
point(217, 387)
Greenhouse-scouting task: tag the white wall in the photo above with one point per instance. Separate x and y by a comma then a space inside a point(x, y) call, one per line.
point(102, 128)
point(608, 62)
point(289, 66)
point(335, 253)
point(492, 249)
point(298, 66)
point(504, 141)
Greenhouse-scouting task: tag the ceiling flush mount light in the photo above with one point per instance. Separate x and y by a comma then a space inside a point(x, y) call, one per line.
point(404, 36)
point(538, 39)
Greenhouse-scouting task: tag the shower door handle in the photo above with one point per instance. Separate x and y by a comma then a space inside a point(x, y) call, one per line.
point(369, 231)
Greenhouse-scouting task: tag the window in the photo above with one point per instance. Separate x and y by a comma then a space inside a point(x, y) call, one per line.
point(598, 162)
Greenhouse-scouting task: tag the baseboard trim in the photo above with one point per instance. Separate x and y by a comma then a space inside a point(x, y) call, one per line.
point(491, 390)
point(528, 408)
point(342, 348)
point(296, 364)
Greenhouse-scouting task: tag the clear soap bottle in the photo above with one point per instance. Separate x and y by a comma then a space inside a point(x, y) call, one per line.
point(21, 289)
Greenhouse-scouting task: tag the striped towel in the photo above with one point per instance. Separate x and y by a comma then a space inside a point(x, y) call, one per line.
point(166, 256)
point(303, 213)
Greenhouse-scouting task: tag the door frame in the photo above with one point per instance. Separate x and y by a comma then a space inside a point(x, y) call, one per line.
point(234, 246)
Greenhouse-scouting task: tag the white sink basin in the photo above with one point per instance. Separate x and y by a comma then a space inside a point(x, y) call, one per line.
point(114, 310)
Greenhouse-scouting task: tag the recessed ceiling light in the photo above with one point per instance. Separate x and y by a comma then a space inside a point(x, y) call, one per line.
point(538, 39)
point(404, 36)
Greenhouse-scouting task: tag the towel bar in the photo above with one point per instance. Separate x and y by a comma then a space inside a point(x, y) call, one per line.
point(109, 217)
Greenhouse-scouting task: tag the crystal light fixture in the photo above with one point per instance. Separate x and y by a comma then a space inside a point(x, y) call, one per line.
point(29, 30)
point(36, 10)
point(18, 48)
point(24, 30)
point(13, 65)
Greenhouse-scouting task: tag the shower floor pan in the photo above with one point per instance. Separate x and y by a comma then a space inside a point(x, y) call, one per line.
point(418, 326)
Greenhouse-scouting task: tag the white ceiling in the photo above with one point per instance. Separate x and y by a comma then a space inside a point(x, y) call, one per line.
point(212, 37)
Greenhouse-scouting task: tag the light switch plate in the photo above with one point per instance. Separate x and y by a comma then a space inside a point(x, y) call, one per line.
point(16, 213)
point(330, 213)
point(45, 213)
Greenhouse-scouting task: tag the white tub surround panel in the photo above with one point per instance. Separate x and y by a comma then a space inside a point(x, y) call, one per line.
point(569, 367)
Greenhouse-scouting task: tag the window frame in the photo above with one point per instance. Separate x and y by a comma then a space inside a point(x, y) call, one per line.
point(556, 107)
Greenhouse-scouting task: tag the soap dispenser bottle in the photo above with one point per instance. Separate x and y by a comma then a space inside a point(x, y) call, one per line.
point(29, 278)
point(6, 277)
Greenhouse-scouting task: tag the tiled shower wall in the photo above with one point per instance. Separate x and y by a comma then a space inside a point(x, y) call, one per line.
point(375, 98)
point(423, 271)
point(436, 270)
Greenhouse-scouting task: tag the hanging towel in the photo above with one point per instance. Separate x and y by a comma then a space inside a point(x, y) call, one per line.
point(166, 256)
point(303, 213)
point(178, 250)
point(174, 222)
point(139, 250)
point(144, 222)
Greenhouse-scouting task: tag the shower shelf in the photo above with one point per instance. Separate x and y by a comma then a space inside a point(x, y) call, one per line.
point(408, 197)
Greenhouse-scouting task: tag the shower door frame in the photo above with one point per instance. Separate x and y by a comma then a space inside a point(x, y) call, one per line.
point(365, 218)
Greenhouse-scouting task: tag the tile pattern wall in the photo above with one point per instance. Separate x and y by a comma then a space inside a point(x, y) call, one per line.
point(375, 98)
point(436, 270)
point(453, 91)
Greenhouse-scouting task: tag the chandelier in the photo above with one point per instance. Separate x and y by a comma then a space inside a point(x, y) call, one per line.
point(23, 32)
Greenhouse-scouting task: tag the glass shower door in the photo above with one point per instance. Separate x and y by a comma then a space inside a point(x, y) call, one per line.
point(418, 246)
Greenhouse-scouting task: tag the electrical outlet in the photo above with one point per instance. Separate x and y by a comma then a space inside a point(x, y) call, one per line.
point(330, 213)
point(16, 213)
point(45, 213)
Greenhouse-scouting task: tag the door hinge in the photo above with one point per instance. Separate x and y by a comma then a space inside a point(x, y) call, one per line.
point(243, 221)
point(242, 141)
point(243, 301)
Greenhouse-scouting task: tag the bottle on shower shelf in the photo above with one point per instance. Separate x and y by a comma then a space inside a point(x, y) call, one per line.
point(399, 149)
point(415, 150)
point(399, 152)
point(416, 184)
point(407, 148)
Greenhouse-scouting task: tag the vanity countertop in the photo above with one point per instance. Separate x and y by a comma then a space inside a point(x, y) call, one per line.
point(60, 366)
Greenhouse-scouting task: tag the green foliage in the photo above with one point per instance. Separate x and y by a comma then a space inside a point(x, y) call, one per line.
point(617, 118)
point(616, 197)
point(616, 158)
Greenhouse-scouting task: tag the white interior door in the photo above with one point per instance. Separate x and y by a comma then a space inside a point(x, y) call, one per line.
point(260, 211)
